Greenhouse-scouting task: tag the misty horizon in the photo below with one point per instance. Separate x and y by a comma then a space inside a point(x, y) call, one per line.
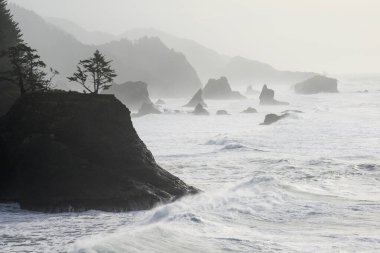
point(334, 38)
point(182, 126)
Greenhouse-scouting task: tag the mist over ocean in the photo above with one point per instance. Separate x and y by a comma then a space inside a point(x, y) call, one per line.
point(181, 126)
point(309, 183)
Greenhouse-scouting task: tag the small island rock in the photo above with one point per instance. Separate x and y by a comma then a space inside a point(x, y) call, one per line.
point(249, 110)
point(222, 112)
point(272, 118)
point(132, 94)
point(267, 97)
point(220, 89)
point(196, 99)
point(146, 108)
point(199, 110)
point(317, 84)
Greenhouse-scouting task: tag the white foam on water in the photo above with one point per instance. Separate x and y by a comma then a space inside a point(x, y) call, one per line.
point(308, 183)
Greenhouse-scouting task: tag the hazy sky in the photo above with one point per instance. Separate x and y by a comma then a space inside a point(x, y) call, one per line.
point(333, 36)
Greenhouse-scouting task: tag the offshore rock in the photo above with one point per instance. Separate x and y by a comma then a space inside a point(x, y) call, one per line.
point(146, 108)
point(199, 110)
point(220, 89)
point(272, 118)
point(222, 112)
point(132, 94)
point(249, 110)
point(317, 84)
point(267, 97)
point(196, 99)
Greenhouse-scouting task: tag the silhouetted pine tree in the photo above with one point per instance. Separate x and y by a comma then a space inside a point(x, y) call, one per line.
point(94, 74)
point(10, 34)
point(27, 70)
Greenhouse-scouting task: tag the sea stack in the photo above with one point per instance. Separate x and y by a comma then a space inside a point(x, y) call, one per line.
point(132, 94)
point(272, 118)
point(222, 112)
point(220, 89)
point(146, 108)
point(197, 99)
point(73, 152)
point(317, 84)
point(199, 110)
point(267, 97)
point(249, 110)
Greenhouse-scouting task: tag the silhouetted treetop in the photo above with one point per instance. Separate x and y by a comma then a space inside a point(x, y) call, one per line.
point(27, 70)
point(10, 34)
point(94, 74)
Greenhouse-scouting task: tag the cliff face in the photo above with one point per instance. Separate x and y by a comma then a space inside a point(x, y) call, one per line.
point(8, 95)
point(207, 62)
point(167, 72)
point(71, 151)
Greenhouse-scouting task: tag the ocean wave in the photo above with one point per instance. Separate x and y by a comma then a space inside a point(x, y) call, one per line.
point(178, 227)
point(234, 146)
point(198, 223)
point(230, 144)
point(221, 140)
point(186, 155)
point(156, 238)
point(369, 167)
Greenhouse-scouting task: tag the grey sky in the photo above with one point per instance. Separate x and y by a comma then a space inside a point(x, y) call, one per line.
point(333, 36)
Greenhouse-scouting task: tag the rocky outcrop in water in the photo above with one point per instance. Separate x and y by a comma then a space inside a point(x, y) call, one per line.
point(267, 97)
point(222, 112)
point(74, 152)
point(272, 118)
point(132, 94)
point(220, 89)
point(199, 110)
point(196, 99)
point(146, 108)
point(249, 110)
point(317, 84)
